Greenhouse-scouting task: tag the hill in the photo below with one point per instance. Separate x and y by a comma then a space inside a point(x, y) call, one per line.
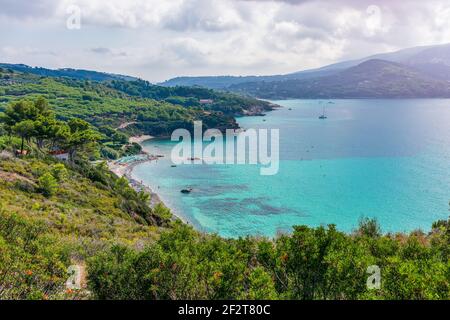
point(224, 82)
point(42, 234)
point(370, 79)
point(430, 61)
point(58, 216)
point(66, 72)
point(110, 105)
point(130, 86)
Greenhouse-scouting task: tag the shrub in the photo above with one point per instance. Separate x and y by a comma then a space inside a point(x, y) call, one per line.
point(24, 186)
point(32, 265)
point(48, 185)
point(109, 153)
point(60, 172)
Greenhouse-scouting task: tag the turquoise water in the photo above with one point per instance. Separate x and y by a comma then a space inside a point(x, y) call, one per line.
point(388, 159)
point(130, 159)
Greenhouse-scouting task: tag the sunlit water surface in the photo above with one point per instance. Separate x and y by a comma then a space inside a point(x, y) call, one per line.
point(388, 159)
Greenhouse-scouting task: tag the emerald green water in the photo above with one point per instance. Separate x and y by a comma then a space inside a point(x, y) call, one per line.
point(388, 159)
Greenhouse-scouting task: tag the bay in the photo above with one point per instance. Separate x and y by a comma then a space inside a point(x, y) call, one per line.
point(387, 159)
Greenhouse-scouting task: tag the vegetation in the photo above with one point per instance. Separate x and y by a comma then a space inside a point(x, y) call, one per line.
point(119, 108)
point(312, 263)
point(71, 73)
point(49, 222)
point(191, 96)
point(54, 214)
point(370, 79)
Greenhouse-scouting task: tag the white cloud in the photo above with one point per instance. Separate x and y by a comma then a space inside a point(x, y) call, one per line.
point(158, 39)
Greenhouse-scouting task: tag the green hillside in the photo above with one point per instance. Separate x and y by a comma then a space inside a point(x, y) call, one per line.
point(370, 79)
point(57, 214)
point(97, 103)
point(66, 72)
point(118, 108)
point(53, 215)
point(129, 251)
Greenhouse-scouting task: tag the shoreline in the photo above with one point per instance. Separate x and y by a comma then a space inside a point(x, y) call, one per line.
point(140, 139)
point(125, 169)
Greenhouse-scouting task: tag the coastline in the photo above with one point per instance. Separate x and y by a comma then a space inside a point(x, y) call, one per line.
point(125, 168)
point(140, 139)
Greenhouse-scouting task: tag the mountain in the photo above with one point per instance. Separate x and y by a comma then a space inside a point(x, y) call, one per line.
point(427, 61)
point(223, 82)
point(370, 79)
point(432, 60)
point(78, 74)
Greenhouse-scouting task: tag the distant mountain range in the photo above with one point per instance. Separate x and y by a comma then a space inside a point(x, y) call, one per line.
point(78, 74)
point(418, 72)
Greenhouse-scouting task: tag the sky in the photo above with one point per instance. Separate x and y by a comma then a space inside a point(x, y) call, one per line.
point(158, 40)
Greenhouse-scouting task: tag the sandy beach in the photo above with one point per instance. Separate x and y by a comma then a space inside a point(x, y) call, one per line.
point(125, 168)
point(140, 139)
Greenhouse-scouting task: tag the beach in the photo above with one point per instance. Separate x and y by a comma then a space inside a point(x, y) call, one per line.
point(123, 167)
point(140, 139)
point(330, 172)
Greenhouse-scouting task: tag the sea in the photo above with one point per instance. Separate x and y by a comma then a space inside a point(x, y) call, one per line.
point(384, 159)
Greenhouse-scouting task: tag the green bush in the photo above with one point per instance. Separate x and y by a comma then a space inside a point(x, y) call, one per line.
point(32, 265)
point(109, 153)
point(48, 185)
point(312, 263)
point(60, 172)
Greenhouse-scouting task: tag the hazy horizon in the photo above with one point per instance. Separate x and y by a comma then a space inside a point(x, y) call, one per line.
point(159, 40)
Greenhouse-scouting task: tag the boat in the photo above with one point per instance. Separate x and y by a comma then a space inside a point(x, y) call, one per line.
point(173, 166)
point(188, 190)
point(323, 116)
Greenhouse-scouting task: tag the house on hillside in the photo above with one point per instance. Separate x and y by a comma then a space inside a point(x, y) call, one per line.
point(60, 154)
point(206, 101)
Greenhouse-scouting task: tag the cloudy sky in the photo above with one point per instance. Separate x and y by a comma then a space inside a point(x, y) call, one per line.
point(160, 39)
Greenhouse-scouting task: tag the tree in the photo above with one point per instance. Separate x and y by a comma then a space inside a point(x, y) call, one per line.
point(28, 119)
point(260, 285)
point(25, 130)
point(80, 137)
point(42, 105)
point(46, 129)
point(369, 228)
point(25, 110)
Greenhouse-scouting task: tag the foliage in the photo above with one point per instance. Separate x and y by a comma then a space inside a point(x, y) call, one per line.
point(190, 96)
point(48, 185)
point(312, 263)
point(29, 120)
point(86, 206)
point(32, 265)
point(52, 214)
point(118, 105)
point(59, 171)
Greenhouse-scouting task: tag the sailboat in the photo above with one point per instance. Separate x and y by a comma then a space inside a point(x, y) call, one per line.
point(323, 116)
